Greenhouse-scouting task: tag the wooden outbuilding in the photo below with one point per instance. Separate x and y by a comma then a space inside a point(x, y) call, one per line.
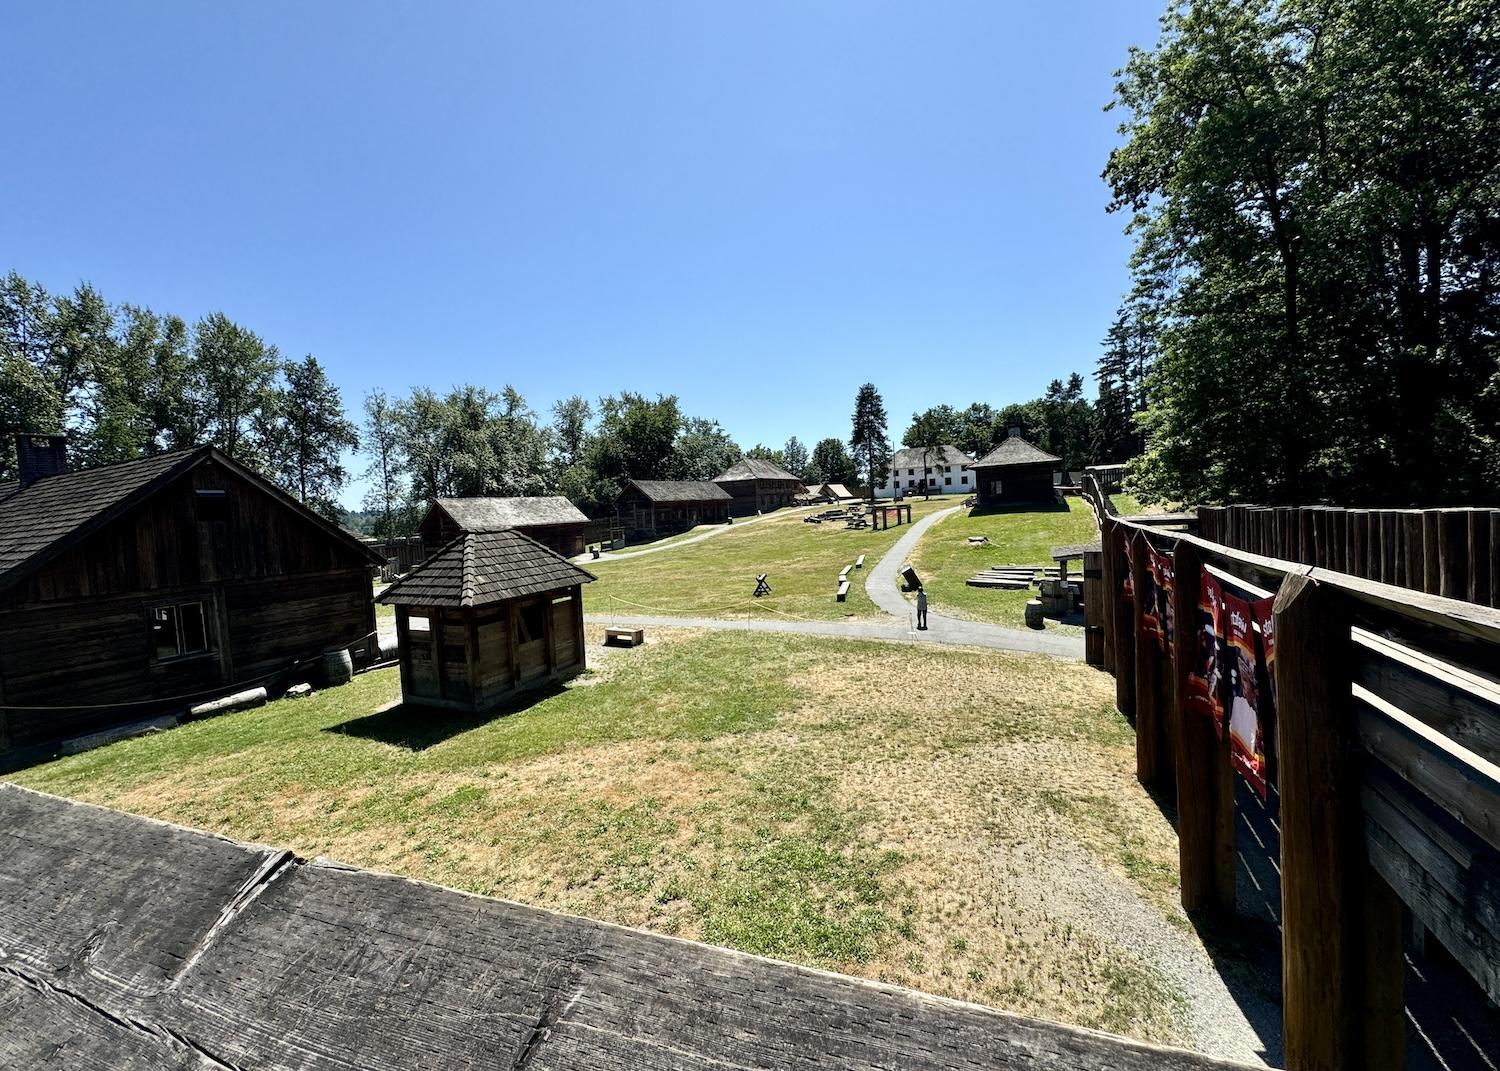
point(758, 485)
point(1016, 472)
point(139, 589)
point(652, 507)
point(551, 520)
point(488, 615)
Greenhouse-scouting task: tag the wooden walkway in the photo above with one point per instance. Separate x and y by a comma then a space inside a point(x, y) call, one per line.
point(128, 944)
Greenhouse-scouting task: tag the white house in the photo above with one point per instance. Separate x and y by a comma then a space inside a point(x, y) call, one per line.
point(942, 470)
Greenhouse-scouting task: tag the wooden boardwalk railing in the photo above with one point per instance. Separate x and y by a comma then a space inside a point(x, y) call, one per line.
point(1386, 730)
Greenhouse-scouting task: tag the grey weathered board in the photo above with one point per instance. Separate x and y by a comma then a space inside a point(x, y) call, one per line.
point(131, 944)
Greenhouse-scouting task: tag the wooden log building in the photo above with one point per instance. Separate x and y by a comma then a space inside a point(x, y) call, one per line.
point(758, 485)
point(551, 520)
point(1015, 472)
point(488, 615)
point(652, 507)
point(125, 588)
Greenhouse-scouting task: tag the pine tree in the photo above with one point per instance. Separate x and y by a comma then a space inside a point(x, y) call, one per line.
point(868, 443)
point(305, 433)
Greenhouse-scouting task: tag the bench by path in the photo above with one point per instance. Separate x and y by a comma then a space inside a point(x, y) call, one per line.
point(133, 945)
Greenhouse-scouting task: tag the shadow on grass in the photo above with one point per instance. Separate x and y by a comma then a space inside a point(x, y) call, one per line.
point(417, 728)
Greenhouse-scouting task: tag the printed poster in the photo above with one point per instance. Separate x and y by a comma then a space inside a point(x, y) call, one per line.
point(1128, 588)
point(1150, 598)
point(1246, 750)
point(1164, 577)
point(1204, 677)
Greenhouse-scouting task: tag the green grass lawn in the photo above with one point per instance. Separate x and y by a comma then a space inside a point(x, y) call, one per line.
point(716, 578)
point(944, 559)
point(808, 813)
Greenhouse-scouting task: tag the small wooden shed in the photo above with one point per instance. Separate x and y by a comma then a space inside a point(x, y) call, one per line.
point(757, 485)
point(1016, 472)
point(488, 615)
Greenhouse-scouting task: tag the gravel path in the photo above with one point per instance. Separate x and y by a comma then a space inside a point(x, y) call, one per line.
point(884, 588)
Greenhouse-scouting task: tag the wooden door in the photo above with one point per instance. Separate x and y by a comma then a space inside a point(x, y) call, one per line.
point(530, 624)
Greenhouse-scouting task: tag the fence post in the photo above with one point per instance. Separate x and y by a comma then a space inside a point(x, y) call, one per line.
point(1480, 552)
point(1341, 961)
point(1196, 746)
point(1453, 553)
point(1109, 588)
point(1124, 616)
point(1150, 763)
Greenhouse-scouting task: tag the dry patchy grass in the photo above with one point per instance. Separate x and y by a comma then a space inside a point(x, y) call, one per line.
point(787, 796)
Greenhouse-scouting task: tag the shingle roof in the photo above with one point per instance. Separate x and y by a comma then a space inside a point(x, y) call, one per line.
point(34, 518)
point(1014, 451)
point(681, 490)
point(55, 510)
point(910, 457)
point(491, 514)
point(479, 568)
point(754, 468)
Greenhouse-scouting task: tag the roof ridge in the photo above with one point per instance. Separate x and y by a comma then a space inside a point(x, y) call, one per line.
point(466, 578)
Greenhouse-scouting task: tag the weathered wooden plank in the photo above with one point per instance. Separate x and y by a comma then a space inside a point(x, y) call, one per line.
point(1446, 875)
point(1151, 762)
point(1458, 780)
point(320, 967)
point(1463, 706)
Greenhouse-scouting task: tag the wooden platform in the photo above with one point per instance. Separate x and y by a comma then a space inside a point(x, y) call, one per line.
point(128, 944)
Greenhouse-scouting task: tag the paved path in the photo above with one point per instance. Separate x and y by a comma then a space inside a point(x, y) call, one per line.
point(584, 559)
point(898, 626)
point(884, 589)
point(887, 629)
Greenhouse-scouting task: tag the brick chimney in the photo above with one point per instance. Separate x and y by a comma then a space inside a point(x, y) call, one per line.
point(41, 455)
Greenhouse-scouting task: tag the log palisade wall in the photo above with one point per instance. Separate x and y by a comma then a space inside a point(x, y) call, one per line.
point(1386, 739)
point(276, 588)
point(1448, 552)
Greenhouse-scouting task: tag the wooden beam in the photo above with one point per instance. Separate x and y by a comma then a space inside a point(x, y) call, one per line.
point(1151, 766)
point(1109, 593)
point(1124, 624)
point(1341, 984)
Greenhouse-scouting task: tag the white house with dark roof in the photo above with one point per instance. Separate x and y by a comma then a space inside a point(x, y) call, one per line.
point(939, 470)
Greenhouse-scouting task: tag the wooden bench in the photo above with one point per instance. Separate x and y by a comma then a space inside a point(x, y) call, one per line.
point(859, 563)
point(624, 637)
point(843, 592)
point(844, 573)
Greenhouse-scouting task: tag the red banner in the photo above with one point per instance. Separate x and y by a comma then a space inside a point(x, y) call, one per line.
point(1163, 575)
point(1246, 751)
point(1204, 678)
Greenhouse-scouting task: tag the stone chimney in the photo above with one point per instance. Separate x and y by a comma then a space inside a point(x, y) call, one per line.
point(41, 455)
point(1014, 433)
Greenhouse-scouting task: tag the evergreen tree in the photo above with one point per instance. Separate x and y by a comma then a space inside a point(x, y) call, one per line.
point(231, 378)
point(794, 456)
point(869, 445)
point(830, 463)
point(305, 434)
point(385, 472)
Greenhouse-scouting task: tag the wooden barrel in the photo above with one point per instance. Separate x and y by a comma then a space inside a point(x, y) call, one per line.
point(1034, 614)
point(336, 667)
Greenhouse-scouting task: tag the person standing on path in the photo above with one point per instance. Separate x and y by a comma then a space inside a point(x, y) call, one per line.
point(922, 609)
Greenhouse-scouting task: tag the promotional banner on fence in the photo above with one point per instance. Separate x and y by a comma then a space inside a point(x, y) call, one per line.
point(1245, 749)
point(1127, 589)
point(1148, 598)
point(1164, 578)
point(1204, 678)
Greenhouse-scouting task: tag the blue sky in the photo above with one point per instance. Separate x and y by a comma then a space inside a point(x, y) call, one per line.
point(755, 206)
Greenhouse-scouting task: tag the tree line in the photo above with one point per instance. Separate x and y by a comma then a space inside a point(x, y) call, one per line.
point(1314, 191)
point(124, 382)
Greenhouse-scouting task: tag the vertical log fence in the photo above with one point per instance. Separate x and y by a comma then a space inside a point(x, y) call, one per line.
point(1386, 727)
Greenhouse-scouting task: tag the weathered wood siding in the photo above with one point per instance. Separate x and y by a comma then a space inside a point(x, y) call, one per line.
point(275, 586)
point(1018, 484)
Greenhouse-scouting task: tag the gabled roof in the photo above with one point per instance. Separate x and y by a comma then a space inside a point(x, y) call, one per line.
point(42, 520)
point(479, 568)
point(911, 457)
point(813, 488)
point(1015, 451)
point(491, 514)
point(754, 468)
point(838, 490)
point(681, 490)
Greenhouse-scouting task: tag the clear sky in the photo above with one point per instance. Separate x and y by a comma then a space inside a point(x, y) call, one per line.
point(756, 206)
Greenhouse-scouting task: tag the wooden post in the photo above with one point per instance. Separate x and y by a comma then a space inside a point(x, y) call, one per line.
point(1494, 572)
point(1124, 627)
point(1093, 609)
point(1480, 551)
point(1391, 563)
point(1195, 744)
point(1109, 591)
point(1338, 539)
point(471, 654)
point(1412, 546)
point(1150, 764)
point(1341, 970)
point(1359, 542)
point(1432, 556)
point(1307, 534)
point(1453, 553)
